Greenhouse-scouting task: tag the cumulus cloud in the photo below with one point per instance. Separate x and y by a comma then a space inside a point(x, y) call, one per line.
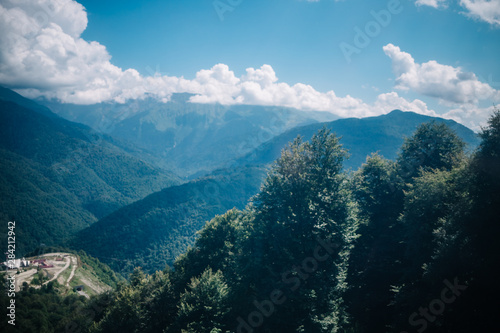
point(41, 48)
point(448, 84)
point(42, 54)
point(431, 3)
point(472, 116)
point(392, 101)
point(261, 87)
point(484, 10)
point(459, 90)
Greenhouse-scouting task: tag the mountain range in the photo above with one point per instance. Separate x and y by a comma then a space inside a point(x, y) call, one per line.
point(361, 137)
point(59, 177)
point(131, 184)
point(187, 138)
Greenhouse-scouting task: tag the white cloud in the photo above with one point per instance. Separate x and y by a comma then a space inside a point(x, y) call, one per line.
point(42, 54)
point(391, 101)
point(454, 88)
point(431, 3)
point(448, 84)
point(260, 87)
point(471, 116)
point(485, 10)
point(40, 48)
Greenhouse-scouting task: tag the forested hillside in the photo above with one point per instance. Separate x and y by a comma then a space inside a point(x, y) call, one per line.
point(153, 231)
point(59, 177)
point(120, 240)
point(191, 139)
point(230, 166)
point(361, 137)
point(398, 246)
point(406, 242)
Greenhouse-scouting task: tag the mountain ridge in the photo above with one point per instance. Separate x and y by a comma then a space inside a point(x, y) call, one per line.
point(386, 131)
point(254, 164)
point(59, 177)
point(183, 135)
point(153, 231)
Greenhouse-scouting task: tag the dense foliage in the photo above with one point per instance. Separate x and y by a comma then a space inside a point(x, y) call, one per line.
point(58, 177)
point(398, 246)
point(405, 246)
point(152, 232)
point(41, 310)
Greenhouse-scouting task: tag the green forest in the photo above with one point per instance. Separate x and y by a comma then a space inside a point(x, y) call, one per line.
point(409, 245)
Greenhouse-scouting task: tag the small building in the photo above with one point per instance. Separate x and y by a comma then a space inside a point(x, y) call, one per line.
point(39, 261)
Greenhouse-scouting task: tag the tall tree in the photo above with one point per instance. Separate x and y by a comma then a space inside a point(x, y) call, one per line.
point(470, 249)
point(462, 208)
point(147, 304)
point(203, 306)
point(216, 248)
point(375, 261)
point(432, 146)
point(303, 209)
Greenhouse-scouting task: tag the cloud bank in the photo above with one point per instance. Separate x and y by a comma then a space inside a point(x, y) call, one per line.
point(447, 83)
point(42, 54)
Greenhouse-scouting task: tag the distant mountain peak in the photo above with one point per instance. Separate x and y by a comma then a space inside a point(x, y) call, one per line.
point(397, 111)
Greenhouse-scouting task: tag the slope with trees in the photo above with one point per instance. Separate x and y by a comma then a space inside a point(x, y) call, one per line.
point(361, 137)
point(358, 137)
point(153, 231)
point(58, 177)
point(191, 139)
point(320, 250)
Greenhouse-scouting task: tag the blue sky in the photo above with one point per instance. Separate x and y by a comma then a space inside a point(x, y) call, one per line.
point(437, 57)
point(299, 39)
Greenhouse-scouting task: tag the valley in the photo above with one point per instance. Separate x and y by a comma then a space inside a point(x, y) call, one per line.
point(118, 199)
point(91, 208)
point(230, 166)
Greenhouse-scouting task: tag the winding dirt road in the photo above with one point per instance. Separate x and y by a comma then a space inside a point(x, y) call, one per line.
point(75, 265)
point(27, 276)
point(68, 262)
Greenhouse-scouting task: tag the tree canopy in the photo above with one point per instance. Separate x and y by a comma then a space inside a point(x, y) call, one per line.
point(396, 246)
